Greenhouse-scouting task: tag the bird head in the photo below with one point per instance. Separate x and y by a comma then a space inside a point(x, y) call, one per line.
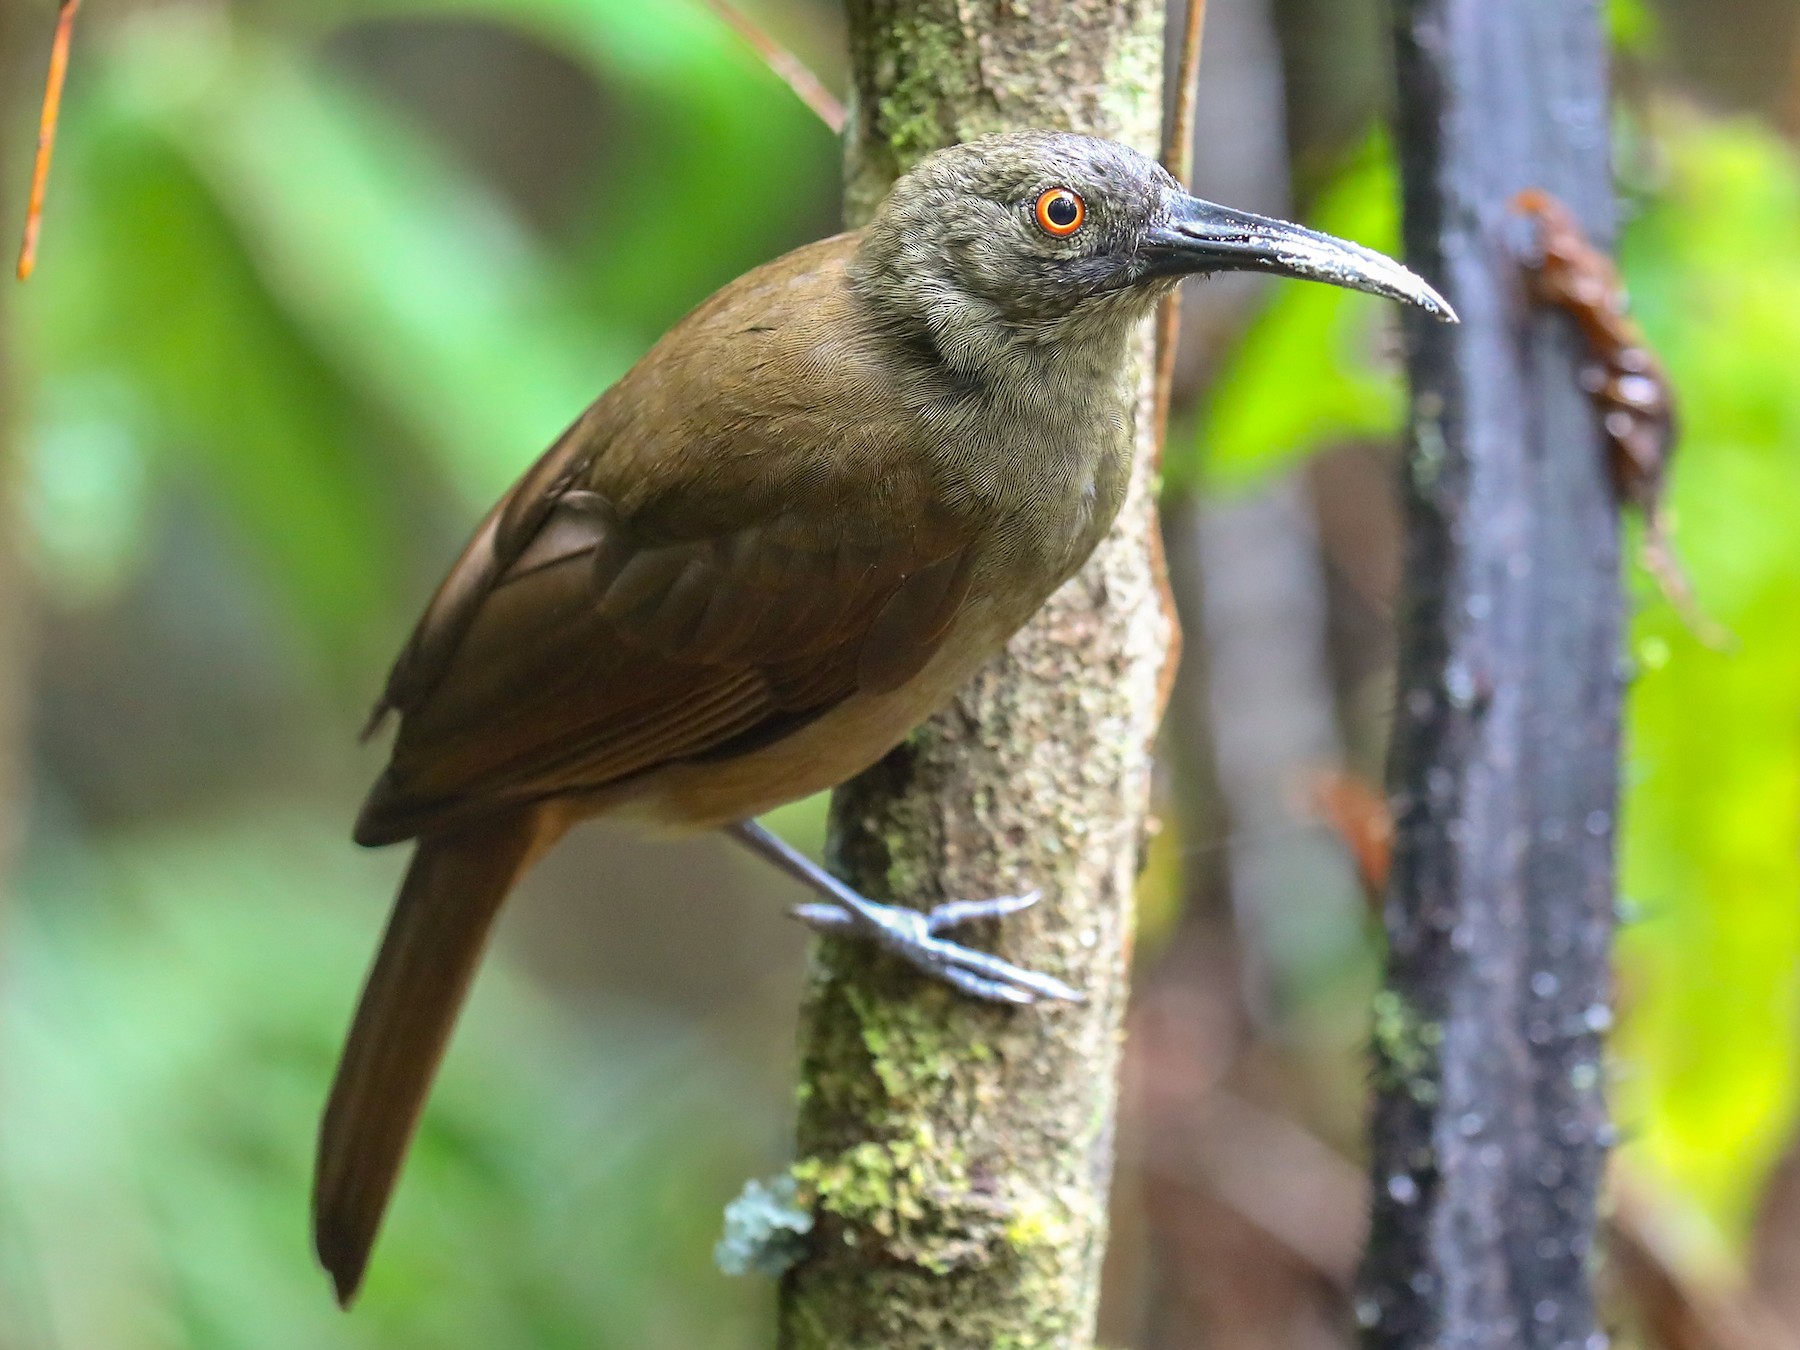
point(1046, 236)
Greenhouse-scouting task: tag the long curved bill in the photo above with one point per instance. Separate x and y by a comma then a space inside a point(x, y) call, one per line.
point(1201, 236)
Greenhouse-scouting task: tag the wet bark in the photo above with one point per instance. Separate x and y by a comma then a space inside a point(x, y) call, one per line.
point(1490, 1127)
point(957, 1155)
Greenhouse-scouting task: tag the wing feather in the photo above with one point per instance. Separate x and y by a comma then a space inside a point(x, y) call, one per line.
point(694, 568)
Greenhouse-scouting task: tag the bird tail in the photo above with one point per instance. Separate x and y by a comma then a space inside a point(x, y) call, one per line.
point(434, 941)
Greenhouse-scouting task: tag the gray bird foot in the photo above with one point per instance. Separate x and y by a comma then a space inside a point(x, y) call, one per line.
point(913, 936)
point(909, 934)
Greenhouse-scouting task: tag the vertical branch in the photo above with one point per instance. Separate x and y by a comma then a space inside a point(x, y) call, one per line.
point(1178, 159)
point(1177, 156)
point(958, 1155)
point(1489, 1126)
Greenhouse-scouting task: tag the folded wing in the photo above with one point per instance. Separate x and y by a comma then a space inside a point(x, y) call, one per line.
point(579, 653)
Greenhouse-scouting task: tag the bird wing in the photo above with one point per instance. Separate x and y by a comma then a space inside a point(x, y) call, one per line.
point(698, 567)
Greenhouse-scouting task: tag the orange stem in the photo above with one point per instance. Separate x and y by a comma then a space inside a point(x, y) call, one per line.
point(789, 68)
point(40, 176)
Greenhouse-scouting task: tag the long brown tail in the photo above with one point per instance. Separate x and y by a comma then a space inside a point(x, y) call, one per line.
point(434, 941)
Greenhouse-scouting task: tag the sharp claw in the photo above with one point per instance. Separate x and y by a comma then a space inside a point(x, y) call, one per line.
point(986, 966)
point(967, 969)
point(991, 991)
point(825, 918)
point(958, 912)
point(1048, 986)
point(909, 934)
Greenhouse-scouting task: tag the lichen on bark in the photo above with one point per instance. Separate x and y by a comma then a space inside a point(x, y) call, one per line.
point(956, 1156)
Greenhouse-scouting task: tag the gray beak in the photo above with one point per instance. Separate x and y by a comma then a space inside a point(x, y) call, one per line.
point(1202, 237)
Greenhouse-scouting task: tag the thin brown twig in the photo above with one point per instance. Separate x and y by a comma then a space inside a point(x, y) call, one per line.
point(1658, 558)
point(1774, 1256)
point(1256, 1162)
point(1677, 1309)
point(1177, 158)
point(789, 68)
point(1272, 1171)
point(40, 174)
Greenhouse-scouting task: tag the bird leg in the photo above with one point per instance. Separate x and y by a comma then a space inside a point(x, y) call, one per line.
point(911, 934)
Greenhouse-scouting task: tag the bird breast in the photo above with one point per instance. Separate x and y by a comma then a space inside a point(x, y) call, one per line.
point(1049, 469)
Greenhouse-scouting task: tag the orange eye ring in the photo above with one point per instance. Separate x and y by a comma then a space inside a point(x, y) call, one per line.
point(1060, 212)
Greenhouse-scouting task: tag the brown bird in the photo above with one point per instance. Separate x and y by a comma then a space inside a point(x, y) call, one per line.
point(763, 557)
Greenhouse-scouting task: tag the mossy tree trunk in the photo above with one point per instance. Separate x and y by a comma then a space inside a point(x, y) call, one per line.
point(958, 1155)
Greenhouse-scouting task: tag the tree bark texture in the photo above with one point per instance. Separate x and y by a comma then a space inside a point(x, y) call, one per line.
point(957, 1155)
point(1490, 1128)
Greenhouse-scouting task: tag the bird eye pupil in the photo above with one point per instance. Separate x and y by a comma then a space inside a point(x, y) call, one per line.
point(1060, 212)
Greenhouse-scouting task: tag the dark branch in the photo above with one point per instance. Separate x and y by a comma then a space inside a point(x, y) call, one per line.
point(1490, 1129)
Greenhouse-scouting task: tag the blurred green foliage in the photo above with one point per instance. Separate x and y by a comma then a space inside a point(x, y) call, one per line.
point(1709, 1051)
point(1258, 417)
point(1712, 861)
point(277, 302)
point(277, 299)
point(264, 274)
point(161, 1079)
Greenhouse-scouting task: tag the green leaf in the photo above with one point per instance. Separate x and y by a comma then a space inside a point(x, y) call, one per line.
point(170, 1008)
point(154, 333)
point(1312, 369)
point(1712, 837)
point(414, 281)
point(716, 167)
point(1632, 26)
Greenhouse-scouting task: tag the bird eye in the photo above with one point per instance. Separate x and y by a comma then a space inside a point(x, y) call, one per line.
point(1060, 212)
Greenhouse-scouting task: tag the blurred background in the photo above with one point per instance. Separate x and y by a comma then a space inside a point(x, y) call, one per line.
point(320, 278)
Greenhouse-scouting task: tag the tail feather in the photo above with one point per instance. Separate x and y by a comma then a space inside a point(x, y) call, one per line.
point(434, 941)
